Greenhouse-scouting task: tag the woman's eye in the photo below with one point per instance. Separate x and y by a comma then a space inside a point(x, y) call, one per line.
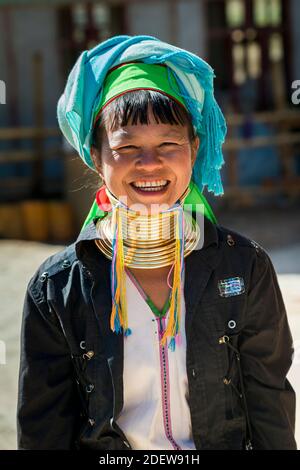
point(127, 147)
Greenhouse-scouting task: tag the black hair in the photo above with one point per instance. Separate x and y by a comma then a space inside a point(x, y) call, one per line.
point(133, 107)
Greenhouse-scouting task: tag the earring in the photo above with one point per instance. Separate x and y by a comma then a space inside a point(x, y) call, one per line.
point(102, 200)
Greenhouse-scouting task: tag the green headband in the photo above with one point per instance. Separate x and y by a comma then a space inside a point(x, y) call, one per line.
point(138, 75)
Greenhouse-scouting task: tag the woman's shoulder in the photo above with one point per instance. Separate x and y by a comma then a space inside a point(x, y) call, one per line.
point(238, 248)
point(235, 238)
point(59, 262)
point(235, 245)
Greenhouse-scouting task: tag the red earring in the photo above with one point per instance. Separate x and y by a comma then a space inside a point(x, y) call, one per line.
point(102, 200)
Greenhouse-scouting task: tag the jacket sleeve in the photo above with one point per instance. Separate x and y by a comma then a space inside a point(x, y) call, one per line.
point(46, 408)
point(266, 348)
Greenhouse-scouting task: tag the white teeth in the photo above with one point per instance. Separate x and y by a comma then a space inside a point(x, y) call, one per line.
point(150, 184)
point(152, 189)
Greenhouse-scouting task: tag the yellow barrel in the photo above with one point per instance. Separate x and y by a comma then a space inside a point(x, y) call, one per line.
point(35, 217)
point(11, 225)
point(61, 221)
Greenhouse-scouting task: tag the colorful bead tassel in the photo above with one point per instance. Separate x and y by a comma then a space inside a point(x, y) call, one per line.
point(119, 318)
point(172, 329)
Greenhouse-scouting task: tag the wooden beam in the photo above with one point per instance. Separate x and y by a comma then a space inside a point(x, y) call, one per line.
point(15, 133)
point(16, 156)
point(268, 117)
point(264, 141)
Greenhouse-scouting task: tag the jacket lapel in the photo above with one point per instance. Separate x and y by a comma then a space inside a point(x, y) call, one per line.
point(102, 304)
point(199, 266)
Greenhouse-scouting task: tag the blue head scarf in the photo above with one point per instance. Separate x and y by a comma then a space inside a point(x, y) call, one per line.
point(83, 91)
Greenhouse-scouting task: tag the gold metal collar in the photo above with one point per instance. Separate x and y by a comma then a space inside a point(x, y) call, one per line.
point(149, 240)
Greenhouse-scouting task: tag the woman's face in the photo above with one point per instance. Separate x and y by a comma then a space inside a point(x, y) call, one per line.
point(158, 156)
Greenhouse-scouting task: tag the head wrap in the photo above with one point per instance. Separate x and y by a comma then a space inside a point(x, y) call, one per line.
point(135, 76)
point(83, 92)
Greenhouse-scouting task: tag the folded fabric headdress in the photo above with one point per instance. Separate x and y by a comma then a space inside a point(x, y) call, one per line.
point(83, 92)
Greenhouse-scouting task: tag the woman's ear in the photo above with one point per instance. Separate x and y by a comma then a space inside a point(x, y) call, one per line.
point(195, 148)
point(96, 157)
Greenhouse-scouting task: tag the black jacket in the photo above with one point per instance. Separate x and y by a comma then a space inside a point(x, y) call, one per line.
point(239, 350)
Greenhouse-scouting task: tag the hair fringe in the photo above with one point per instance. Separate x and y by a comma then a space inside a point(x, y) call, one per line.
point(133, 107)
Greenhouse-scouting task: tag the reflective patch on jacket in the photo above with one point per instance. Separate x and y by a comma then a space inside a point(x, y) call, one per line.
point(231, 286)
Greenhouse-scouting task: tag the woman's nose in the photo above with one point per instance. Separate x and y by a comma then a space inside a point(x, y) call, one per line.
point(149, 160)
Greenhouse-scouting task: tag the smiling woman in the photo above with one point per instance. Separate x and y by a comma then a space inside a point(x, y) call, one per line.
point(151, 171)
point(127, 341)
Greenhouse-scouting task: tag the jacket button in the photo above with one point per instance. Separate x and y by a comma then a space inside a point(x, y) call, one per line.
point(44, 276)
point(88, 355)
point(224, 339)
point(66, 263)
point(256, 246)
point(86, 272)
point(82, 344)
point(232, 324)
point(230, 240)
point(193, 373)
point(91, 421)
point(89, 388)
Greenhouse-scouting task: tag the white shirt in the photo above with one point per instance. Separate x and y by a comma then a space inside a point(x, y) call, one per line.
point(155, 414)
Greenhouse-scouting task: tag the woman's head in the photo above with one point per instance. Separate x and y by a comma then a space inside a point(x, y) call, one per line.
point(121, 64)
point(144, 136)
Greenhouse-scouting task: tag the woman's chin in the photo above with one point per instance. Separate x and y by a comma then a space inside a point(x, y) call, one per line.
point(146, 201)
point(153, 201)
point(149, 208)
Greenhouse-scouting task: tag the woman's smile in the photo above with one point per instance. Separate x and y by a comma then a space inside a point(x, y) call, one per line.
point(149, 188)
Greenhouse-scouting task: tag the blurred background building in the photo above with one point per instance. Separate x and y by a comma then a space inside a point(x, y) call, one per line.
point(251, 44)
